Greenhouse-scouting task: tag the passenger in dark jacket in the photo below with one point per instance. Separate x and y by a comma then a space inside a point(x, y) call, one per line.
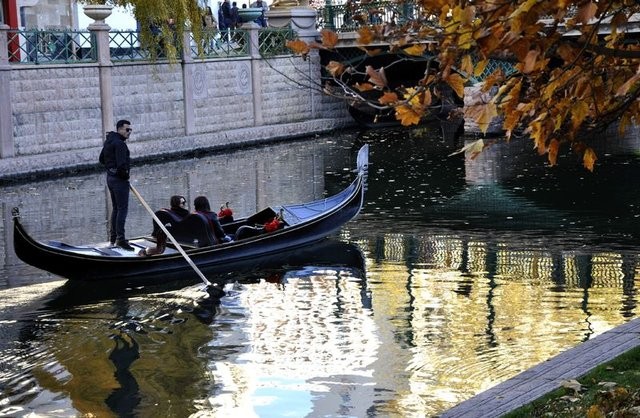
point(179, 206)
point(178, 209)
point(115, 158)
point(201, 206)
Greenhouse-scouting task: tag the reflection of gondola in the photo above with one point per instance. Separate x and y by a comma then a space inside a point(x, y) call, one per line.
point(303, 224)
point(328, 253)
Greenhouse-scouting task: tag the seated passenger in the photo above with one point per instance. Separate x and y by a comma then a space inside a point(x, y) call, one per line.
point(201, 206)
point(226, 214)
point(178, 211)
point(179, 206)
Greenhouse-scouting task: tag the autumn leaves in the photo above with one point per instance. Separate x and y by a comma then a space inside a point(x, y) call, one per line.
point(577, 70)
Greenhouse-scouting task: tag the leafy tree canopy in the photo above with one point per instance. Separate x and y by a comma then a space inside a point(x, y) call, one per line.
point(163, 22)
point(578, 70)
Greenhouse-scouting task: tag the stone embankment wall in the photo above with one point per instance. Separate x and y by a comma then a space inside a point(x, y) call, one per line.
point(57, 119)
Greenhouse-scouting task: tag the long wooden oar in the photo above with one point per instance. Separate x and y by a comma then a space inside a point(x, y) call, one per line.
point(173, 240)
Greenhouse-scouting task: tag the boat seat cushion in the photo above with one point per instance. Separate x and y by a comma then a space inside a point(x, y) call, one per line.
point(246, 231)
point(165, 216)
point(193, 227)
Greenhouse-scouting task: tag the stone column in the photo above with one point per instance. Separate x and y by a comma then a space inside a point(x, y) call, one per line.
point(187, 84)
point(256, 73)
point(7, 148)
point(301, 19)
point(101, 31)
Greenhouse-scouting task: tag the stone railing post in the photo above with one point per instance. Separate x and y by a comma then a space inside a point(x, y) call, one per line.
point(7, 148)
point(256, 73)
point(187, 84)
point(101, 31)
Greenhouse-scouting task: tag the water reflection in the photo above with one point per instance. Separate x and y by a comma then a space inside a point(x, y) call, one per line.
point(472, 273)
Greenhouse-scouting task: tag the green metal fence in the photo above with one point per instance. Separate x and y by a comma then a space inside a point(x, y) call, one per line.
point(50, 47)
point(352, 15)
point(221, 44)
point(68, 47)
point(273, 42)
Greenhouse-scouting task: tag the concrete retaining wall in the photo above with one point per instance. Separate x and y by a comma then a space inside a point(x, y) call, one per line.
point(58, 114)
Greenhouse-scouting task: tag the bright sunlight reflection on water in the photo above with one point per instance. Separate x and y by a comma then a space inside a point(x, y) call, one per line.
point(456, 276)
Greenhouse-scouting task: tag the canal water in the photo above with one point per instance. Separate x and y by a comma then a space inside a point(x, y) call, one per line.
point(458, 274)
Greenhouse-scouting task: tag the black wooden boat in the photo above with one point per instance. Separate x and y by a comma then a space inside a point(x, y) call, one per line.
point(303, 224)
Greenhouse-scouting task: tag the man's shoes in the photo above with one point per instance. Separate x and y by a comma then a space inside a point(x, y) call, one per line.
point(124, 245)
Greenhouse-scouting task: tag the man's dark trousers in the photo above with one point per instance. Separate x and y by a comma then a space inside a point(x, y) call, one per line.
point(119, 190)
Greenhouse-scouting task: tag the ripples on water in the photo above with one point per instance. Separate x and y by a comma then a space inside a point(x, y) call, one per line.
point(456, 276)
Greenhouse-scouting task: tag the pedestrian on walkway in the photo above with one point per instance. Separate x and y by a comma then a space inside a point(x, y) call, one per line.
point(115, 158)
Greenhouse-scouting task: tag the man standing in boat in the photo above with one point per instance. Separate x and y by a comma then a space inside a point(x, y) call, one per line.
point(115, 157)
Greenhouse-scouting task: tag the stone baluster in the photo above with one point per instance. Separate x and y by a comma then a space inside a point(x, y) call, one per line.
point(187, 84)
point(256, 73)
point(7, 148)
point(101, 31)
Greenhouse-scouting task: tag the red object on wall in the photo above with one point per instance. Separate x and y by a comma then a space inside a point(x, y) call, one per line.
point(10, 11)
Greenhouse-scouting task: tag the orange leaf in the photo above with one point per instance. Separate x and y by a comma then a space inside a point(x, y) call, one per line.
point(407, 115)
point(388, 98)
point(364, 86)
point(554, 145)
point(298, 47)
point(365, 35)
point(480, 66)
point(530, 61)
point(589, 159)
point(456, 82)
point(329, 38)
point(416, 49)
point(335, 68)
point(376, 77)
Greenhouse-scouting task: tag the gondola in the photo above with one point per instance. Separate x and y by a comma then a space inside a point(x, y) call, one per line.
point(302, 225)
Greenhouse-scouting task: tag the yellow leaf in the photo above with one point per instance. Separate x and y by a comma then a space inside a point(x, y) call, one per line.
point(589, 159)
point(407, 115)
point(480, 66)
point(487, 113)
point(466, 65)
point(456, 82)
point(298, 47)
point(554, 145)
point(388, 98)
point(335, 68)
point(329, 38)
point(376, 77)
point(579, 112)
point(365, 35)
point(472, 149)
point(595, 412)
point(523, 8)
point(416, 49)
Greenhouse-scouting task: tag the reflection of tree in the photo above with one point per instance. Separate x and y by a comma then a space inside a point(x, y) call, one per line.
point(127, 356)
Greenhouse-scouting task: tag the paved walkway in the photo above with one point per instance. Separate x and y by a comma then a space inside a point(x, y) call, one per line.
point(545, 377)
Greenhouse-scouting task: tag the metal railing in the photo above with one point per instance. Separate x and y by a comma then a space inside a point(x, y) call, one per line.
point(50, 47)
point(69, 47)
point(221, 44)
point(351, 16)
point(273, 42)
